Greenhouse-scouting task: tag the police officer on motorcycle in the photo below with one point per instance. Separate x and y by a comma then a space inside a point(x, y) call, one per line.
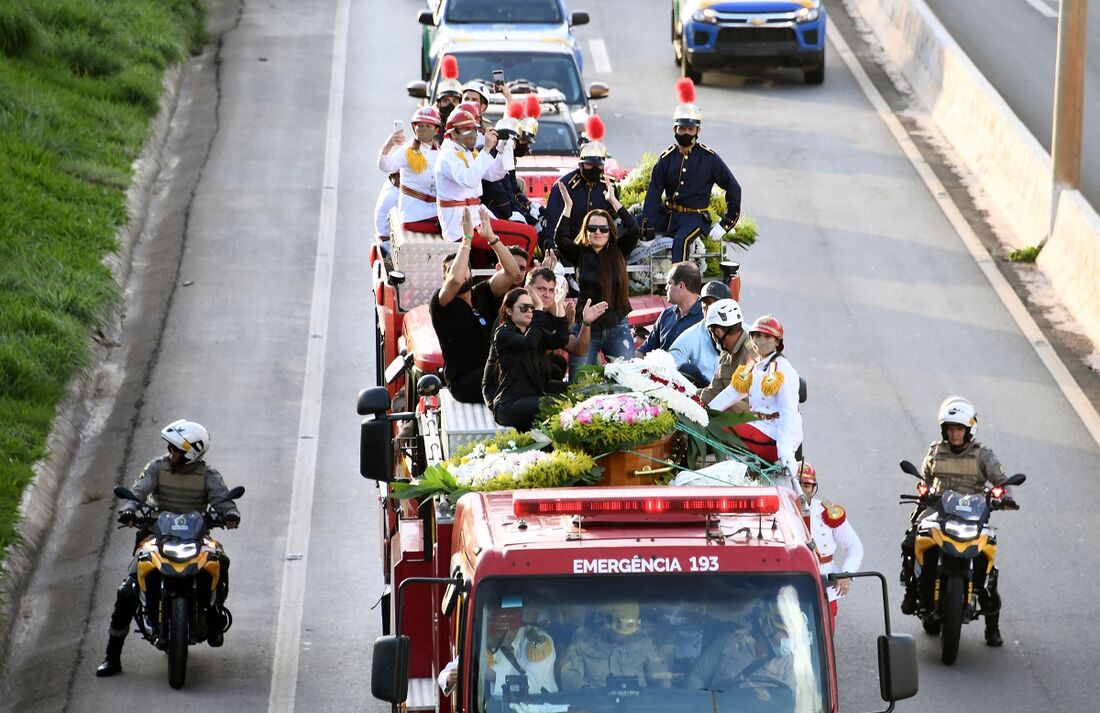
point(957, 462)
point(179, 481)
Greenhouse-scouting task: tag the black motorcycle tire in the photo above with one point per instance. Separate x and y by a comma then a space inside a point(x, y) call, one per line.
point(954, 602)
point(177, 642)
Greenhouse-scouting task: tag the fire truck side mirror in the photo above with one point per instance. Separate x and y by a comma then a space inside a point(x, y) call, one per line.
point(375, 435)
point(389, 674)
point(897, 667)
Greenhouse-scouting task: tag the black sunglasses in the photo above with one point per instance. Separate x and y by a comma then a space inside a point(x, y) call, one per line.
point(598, 228)
point(526, 307)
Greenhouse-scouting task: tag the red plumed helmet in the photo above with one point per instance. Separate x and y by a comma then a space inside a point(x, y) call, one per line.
point(515, 109)
point(594, 128)
point(450, 67)
point(460, 120)
point(532, 107)
point(685, 90)
point(767, 325)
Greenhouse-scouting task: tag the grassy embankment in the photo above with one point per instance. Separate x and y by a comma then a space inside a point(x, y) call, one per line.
point(79, 82)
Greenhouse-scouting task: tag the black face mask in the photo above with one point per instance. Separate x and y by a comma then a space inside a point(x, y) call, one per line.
point(685, 140)
point(592, 175)
point(445, 111)
point(522, 149)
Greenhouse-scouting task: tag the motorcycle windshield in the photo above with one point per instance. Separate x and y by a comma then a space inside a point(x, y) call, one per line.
point(969, 507)
point(725, 643)
point(183, 526)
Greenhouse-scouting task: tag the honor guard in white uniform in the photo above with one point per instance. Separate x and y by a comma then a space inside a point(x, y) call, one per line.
point(771, 385)
point(460, 169)
point(415, 161)
point(831, 530)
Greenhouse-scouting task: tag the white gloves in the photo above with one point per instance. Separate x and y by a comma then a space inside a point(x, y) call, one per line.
point(717, 231)
point(504, 151)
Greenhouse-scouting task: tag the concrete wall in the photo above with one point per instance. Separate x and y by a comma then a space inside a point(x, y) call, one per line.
point(1071, 258)
point(1010, 165)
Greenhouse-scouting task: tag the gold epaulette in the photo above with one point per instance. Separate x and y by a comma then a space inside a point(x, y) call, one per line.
point(707, 148)
point(539, 648)
point(833, 514)
point(670, 149)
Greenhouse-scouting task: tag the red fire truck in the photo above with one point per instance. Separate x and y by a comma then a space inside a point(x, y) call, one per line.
point(605, 599)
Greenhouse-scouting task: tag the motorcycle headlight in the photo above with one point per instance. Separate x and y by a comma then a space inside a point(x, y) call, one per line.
point(180, 550)
point(961, 530)
point(807, 14)
point(706, 15)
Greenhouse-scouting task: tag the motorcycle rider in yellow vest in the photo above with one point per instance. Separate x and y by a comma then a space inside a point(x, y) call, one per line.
point(179, 481)
point(957, 462)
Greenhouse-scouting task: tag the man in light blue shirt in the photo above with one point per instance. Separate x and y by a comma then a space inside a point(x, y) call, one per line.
point(695, 352)
point(683, 284)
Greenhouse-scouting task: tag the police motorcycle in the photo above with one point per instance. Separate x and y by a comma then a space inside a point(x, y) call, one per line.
point(178, 571)
point(955, 549)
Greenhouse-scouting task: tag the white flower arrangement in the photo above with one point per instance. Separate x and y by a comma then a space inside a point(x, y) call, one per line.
point(657, 377)
point(480, 467)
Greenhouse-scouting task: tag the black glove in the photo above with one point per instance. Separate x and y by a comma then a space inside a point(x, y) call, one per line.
point(127, 518)
point(1009, 504)
point(232, 520)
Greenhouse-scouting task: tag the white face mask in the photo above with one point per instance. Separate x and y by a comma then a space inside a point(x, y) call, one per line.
point(786, 647)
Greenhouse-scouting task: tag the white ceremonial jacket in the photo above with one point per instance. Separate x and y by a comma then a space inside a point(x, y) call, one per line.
point(458, 176)
point(831, 531)
point(409, 207)
point(786, 430)
point(540, 673)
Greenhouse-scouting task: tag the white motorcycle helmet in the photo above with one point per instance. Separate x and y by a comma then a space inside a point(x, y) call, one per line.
point(724, 313)
point(189, 437)
point(959, 411)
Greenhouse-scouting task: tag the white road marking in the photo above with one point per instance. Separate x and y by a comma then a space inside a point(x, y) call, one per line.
point(1042, 8)
point(1012, 302)
point(284, 672)
point(601, 61)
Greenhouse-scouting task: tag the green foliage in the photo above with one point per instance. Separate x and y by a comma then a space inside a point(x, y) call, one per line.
point(632, 192)
point(20, 34)
point(560, 468)
point(79, 82)
point(506, 440)
point(590, 381)
point(1028, 254)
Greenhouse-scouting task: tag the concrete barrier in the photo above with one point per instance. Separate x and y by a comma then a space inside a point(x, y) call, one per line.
point(1008, 163)
point(1071, 258)
point(1011, 167)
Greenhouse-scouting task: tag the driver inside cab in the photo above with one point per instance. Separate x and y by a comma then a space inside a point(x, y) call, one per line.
point(616, 648)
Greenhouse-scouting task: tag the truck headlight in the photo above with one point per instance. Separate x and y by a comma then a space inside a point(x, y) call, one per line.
point(707, 15)
point(807, 14)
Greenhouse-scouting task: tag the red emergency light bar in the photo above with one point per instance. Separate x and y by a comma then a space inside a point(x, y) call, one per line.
point(766, 504)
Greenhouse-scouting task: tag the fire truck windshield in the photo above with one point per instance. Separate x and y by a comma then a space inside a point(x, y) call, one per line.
point(750, 643)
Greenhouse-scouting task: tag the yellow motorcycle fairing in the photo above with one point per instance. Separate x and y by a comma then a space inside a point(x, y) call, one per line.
point(937, 538)
point(151, 560)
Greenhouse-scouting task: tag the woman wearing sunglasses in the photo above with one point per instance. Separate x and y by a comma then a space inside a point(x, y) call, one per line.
point(598, 254)
point(519, 345)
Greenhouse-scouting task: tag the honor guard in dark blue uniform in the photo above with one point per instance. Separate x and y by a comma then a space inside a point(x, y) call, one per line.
point(680, 186)
point(585, 186)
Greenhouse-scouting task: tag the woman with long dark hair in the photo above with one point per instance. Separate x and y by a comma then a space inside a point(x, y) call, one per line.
point(519, 345)
point(598, 255)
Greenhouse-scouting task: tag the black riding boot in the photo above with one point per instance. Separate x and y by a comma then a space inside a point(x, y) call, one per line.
point(993, 630)
point(112, 662)
point(908, 576)
point(125, 605)
point(217, 618)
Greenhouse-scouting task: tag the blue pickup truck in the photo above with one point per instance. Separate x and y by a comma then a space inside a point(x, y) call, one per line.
point(732, 34)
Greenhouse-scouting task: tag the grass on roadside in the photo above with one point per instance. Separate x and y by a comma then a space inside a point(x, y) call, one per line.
point(79, 82)
point(1028, 254)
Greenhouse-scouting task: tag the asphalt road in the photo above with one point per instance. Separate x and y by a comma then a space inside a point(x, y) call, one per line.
point(1014, 44)
point(885, 313)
